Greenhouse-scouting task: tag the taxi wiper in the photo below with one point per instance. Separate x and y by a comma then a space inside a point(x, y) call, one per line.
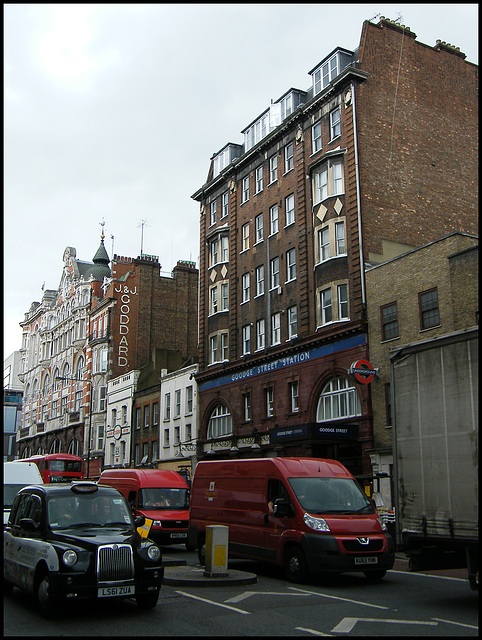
point(116, 524)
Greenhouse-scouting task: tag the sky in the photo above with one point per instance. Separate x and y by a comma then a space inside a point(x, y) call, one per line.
point(113, 111)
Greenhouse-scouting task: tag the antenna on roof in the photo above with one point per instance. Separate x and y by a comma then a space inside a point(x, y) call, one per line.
point(141, 225)
point(374, 17)
point(399, 17)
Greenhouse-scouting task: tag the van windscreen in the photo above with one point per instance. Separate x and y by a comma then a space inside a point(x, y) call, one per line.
point(155, 499)
point(331, 495)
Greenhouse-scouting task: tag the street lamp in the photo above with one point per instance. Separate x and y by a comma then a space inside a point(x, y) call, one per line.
point(89, 380)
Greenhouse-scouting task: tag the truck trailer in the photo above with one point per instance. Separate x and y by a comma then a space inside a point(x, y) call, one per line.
point(434, 387)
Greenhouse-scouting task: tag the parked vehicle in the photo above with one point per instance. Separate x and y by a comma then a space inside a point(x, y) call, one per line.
point(158, 494)
point(77, 541)
point(435, 397)
point(306, 514)
point(58, 467)
point(17, 474)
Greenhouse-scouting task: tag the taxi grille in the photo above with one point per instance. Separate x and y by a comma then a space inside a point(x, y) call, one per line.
point(115, 562)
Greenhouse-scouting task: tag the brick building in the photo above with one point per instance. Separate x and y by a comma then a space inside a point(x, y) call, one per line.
point(103, 322)
point(351, 172)
point(423, 294)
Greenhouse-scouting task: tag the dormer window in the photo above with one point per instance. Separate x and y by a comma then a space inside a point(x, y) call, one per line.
point(222, 159)
point(329, 68)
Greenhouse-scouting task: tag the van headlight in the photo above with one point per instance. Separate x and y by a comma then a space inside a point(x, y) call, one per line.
point(383, 525)
point(318, 524)
point(69, 557)
point(154, 553)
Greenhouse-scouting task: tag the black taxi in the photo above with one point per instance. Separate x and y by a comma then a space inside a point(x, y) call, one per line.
point(77, 541)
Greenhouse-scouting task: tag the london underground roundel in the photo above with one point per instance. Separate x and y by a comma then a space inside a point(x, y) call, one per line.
point(362, 371)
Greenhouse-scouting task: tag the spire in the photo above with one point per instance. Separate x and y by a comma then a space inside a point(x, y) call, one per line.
point(100, 268)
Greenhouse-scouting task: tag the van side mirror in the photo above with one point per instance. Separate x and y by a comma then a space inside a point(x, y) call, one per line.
point(281, 508)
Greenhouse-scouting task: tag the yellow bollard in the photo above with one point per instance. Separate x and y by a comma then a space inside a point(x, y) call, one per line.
point(216, 551)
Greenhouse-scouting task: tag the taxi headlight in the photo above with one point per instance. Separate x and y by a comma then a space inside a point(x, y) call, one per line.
point(69, 557)
point(154, 553)
point(318, 524)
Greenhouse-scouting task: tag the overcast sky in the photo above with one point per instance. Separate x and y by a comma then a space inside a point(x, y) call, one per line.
point(112, 113)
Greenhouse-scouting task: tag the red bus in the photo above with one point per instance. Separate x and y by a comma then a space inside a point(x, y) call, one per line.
point(58, 467)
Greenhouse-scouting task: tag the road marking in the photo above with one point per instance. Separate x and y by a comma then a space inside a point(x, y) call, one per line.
point(248, 594)
point(427, 575)
point(312, 631)
point(347, 624)
point(460, 624)
point(324, 595)
point(217, 604)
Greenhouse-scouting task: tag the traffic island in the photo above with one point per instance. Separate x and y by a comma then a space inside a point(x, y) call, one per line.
point(196, 576)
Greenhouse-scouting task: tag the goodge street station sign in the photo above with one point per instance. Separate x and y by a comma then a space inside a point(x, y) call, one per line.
point(362, 372)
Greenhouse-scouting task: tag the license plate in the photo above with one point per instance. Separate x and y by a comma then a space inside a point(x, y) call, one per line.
point(178, 535)
point(110, 592)
point(366, 560)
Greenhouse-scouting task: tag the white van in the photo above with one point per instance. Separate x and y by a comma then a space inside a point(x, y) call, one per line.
point(17, 474)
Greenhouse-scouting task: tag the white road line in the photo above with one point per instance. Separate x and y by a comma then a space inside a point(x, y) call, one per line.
point(427, 575)
point(313, 632)
point(459, 624)
point(248, 594)
point(324, 595)
point(347, 624)
point(217, 604)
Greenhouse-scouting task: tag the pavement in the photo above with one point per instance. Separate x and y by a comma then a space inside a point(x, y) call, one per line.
point(179, 573)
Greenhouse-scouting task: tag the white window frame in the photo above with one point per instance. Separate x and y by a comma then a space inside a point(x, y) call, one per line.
point(214, 299)
point(224, 346)
point(246, 339)
point(220, 422)
point(339, 399)
point(269, 402)
point(213, 349)
point(342, 300)
point(292, 318)
point(294, 396)
point(290, 209)
point(273, 169)
point(245, 284)
point(212, 208)
point(276, 328)
point(291, 265)
point(224, 296)
point(259, 179)
point(224, 204)
point(260, 280)
point(326, 306)
point(245, 237)
point(245, 190)
point(316, 141)
point(274, 273)
point(260, 334)
point(335, 123)
point(289, 157)
point(259, 228)
point(273, 220)
point(328, 180)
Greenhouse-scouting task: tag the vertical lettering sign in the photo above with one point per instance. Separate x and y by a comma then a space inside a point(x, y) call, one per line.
point(124, 317)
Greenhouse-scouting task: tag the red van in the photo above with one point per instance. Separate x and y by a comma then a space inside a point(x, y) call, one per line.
point(306, 514)
point(158, 494)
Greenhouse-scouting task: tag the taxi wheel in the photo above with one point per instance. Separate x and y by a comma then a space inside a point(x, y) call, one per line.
point(46, 602)
point(148, 600)
point(295, 565)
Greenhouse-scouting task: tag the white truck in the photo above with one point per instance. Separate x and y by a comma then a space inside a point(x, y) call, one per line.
point(17, 474)
point(434, 386)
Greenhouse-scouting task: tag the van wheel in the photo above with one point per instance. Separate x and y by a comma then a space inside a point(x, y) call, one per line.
point(375, 576)
point(295, 565)
point(46, 603)
point(201, 551)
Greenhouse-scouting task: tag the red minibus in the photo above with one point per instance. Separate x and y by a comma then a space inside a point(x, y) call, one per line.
point(58, 467)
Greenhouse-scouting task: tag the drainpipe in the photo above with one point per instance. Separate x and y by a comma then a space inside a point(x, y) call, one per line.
point(360, 234)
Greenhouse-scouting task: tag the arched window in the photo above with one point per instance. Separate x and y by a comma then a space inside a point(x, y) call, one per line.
point(339, 399)
point(55, 446)
point(80, 368)
point(26, 453)
point(74, 447)
point(45, 389)
point(26, 395)
point(66, 374)
point(220, 422)
point(57, 383)
point(35, 390)
point(40, 451)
